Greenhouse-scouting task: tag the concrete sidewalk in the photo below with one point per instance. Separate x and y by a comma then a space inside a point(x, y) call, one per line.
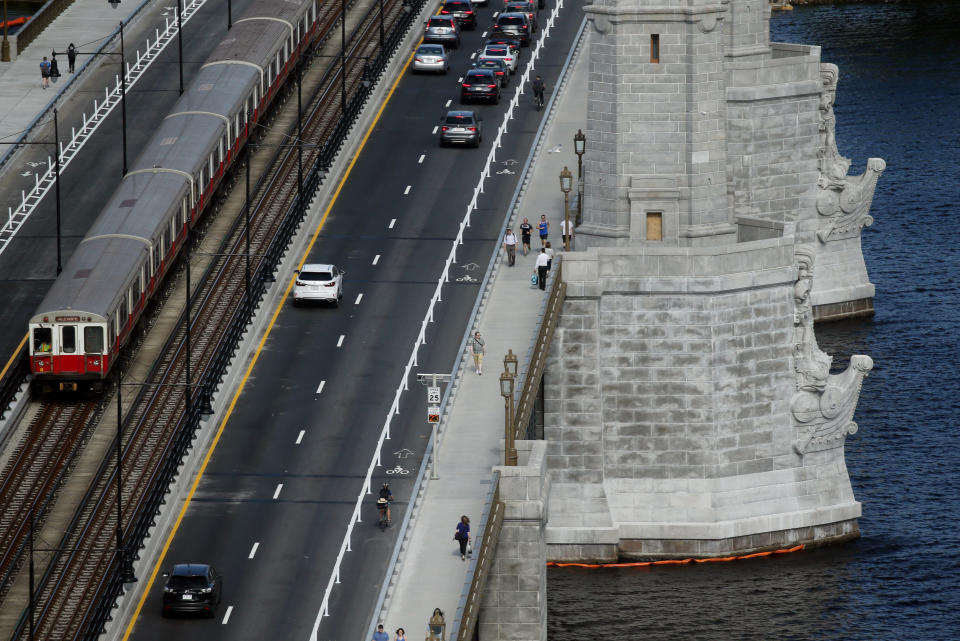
point(85, 24)
point(429, 573)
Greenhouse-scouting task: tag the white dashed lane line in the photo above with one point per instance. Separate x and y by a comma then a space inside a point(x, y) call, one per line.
point(460, 79)
point(320, 386)
point(448, 102)
point(435, 129)
point(422, 156)
point(483, 35)
point(276, 492)
point(393, 221)
point(300, 436)
point(407, 190)
point(253, 550)
point(376, 259)
point(359, 298)
point(226, 615)
point(473, 55)
point(340, 340)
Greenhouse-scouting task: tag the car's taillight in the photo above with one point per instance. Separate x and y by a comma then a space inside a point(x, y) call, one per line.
point(492, 86)
point(444, 128)
point(472, 128)
point(465, 85)
point(300, 283)
point(330, 284)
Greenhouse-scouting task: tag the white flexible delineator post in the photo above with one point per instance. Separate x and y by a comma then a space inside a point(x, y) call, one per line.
point(44, 183)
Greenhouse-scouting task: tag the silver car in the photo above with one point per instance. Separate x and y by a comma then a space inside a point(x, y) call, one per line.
point(461, 127)
point(431, 58)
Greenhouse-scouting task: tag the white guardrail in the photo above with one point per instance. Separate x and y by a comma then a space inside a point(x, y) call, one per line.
point(29, 201)
point(427, 319)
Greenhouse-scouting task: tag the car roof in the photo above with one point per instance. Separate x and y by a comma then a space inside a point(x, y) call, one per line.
point(317, 267)
point(190, 569)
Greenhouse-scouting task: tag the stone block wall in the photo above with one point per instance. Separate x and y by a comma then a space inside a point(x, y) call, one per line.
point(514, 604)
point(668, 407)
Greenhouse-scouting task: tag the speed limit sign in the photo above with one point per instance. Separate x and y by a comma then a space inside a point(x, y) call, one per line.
point(433, 395)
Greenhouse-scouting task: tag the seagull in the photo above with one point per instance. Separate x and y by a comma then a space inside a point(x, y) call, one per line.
point(555, 149)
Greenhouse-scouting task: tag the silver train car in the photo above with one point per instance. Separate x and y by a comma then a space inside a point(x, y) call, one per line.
point(87, 317)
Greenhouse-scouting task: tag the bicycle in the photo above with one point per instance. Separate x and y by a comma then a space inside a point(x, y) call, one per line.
point(383, 505)
point(538, 100)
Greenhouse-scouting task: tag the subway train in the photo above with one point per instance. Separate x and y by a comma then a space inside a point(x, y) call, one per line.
point(87, 317)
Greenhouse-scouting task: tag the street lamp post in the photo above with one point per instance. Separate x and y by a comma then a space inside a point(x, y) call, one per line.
point(566, 184)
point(180, 41)
point(509, 440)
point(126, 567)
point(5, 51)
point(579, 147)
point(56, 165)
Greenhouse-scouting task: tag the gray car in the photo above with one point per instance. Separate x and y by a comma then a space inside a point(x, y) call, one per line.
point(461, 127)
point(442, 30)
point(431, 57)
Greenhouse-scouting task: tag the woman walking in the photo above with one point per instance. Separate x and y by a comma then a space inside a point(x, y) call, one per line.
point(478, 349)
point(401, 635)
point(462, 535)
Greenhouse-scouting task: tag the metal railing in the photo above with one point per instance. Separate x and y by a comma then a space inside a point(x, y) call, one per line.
point(468, 611)
point(539, 351)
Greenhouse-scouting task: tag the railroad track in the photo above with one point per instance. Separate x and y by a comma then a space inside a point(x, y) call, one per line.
point(78, 588)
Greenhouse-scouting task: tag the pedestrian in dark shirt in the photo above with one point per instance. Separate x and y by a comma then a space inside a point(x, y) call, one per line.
point(71, 56)
point(462, 535)
point(44, 72)
point(54, 68)
point(543, 227)
point(525, 230)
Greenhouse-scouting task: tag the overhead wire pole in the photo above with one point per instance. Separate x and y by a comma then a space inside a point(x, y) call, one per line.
point(123, 98)
point(180, 40)
point(343, 57)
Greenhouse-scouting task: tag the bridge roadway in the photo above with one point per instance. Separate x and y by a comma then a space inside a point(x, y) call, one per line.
point(28, 265)
point(270, 509)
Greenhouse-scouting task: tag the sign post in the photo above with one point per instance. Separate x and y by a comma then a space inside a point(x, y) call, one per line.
point(432, 382)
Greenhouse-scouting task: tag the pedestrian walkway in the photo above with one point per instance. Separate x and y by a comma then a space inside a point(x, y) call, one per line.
point(430, 573)
point(22, 97)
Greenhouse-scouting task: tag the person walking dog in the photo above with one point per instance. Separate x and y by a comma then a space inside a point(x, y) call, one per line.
point(462, 536)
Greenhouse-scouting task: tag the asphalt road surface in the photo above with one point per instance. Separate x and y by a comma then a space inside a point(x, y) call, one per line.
point(271, 509)
point(28, 265)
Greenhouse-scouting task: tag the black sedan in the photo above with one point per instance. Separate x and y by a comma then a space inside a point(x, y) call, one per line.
point(499, 68)
point(480, 84)
point(463, 11)
point(192, 588)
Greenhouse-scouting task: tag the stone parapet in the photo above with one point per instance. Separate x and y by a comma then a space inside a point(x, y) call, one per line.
point(514, 605)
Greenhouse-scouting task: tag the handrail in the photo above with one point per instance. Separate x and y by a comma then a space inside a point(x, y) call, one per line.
point(539, 351)
point(468, 612)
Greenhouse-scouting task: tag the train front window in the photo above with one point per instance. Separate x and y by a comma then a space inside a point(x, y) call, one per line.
point(42, 340)
point(93, 340)
point(68, 339)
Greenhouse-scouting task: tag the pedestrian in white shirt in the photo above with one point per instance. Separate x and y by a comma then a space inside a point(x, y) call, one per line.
point(510, 246)
point(543, 262)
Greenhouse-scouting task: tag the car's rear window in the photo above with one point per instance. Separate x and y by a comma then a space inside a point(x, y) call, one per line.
point(316, 276)
point(187, 582)
point(433, 50)
point(517, 20)
point(439, 22)
point(459, 120)
point(458, 6)
point(496, 51)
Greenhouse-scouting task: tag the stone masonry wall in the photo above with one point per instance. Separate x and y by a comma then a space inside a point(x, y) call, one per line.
point(514, 604)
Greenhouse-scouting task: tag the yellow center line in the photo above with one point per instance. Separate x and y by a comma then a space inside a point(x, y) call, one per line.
point(16, 352)
point(253, 362)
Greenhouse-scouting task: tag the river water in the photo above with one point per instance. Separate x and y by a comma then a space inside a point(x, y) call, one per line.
point(899, 99)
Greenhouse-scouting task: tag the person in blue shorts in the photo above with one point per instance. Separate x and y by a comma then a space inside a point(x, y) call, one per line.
point(543, 227)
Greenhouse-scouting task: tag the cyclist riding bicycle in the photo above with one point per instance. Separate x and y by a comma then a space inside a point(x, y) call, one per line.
point(538, 89)
point(383, 503)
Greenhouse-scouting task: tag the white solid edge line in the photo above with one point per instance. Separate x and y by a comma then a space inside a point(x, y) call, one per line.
point(359, 298)
point(376, 259)
point(300, 436)
point(276, 492)
point(320, 386)
point(340, 340)
point(226, 615)
point(253, 550)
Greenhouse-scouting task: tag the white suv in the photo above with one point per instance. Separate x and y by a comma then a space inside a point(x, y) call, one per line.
point(319, 282)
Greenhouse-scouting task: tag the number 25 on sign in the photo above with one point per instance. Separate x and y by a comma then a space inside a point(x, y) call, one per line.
point(433, 395)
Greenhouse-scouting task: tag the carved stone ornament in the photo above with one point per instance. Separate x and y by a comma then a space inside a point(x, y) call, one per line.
point(824, 403)
point(843, 201)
